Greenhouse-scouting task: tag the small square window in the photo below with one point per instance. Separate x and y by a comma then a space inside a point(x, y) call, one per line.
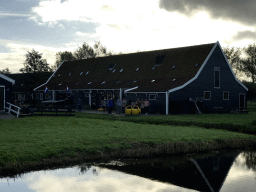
point(207, 95)
point(225, 95)
point(152, 96)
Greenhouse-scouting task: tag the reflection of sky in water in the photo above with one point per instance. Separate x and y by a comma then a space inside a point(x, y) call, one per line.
point(72, 180)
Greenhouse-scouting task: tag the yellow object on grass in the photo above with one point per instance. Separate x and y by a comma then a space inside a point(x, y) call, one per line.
point(128, 110)
point(136, 110)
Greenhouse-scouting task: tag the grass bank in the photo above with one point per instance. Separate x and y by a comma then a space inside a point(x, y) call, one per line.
point(36, 143)
point(243, 123)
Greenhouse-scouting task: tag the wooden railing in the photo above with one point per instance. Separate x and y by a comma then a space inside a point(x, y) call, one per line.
point(13, 110)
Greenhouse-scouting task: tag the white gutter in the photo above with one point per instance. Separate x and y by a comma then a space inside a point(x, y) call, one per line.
point(49, 77)
point(131, 89)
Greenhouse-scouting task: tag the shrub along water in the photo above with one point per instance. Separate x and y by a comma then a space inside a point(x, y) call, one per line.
point(35, 143)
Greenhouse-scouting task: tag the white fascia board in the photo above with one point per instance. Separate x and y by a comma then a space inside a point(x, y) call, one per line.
point(231, 68)
point(199, 71)
point(49, 77)
point(131, 89)
point(148, 92)
point(7, 78)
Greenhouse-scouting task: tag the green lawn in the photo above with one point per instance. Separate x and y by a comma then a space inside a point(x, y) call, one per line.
point(35, 138)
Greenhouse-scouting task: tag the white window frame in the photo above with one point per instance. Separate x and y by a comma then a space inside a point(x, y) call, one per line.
point(223, 95)
point(41, 96)
point(150, 95)
point(216, 69)
point(204, 95)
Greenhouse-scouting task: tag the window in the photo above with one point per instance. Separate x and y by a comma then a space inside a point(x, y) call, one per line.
point(216, 77)
point(152, 96)
point(225, 95)
point(37, 95)
point(207, 95)
point(41, 96)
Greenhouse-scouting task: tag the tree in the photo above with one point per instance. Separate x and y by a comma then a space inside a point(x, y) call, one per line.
point(233, 57)
point(34, 63)
point(5, 71)
point(61, 56)
point(100, 50)
point(248, 65)
point(84, 52)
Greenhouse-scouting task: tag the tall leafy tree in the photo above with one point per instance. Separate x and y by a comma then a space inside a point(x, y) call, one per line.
point(5, 71)
point(234, 58)
point(84, 52)
point(100, 50)
point(61, 56)
point(248, 65)
point(34, 63)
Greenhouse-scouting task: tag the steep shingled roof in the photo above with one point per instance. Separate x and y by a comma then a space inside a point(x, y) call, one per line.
point(26, 82)
point(187, 61)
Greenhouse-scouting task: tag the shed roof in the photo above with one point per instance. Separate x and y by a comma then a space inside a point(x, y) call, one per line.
point(143, 69)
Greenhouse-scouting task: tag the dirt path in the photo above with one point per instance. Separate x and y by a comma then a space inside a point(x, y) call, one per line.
point(4, 115)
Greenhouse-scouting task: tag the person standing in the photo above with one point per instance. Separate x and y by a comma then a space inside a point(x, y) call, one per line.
point(138, 102)
point(110, 106)
point(146, 103)
point(123, 105)
point(119, 105)
point(79, 104)
point(142, 105)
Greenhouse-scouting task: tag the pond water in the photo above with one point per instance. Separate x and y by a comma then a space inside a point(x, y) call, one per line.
point(219, 171)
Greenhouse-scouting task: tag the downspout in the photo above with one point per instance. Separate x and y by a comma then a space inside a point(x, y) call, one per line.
point(167, 102)
point(90, 99)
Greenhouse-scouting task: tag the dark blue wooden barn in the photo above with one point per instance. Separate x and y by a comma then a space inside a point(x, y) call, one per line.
point(178, 80)
point(5, 91)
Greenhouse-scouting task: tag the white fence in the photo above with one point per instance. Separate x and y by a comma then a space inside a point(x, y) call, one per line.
point(13, 110)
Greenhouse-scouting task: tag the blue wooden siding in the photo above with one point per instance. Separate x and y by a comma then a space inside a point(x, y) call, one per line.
point(205, 82)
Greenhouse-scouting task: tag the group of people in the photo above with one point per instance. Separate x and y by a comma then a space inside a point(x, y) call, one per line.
point(121, 104)
point(143, 105)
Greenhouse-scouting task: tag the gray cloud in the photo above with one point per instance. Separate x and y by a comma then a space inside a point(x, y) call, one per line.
point(236, 10)
point(241, 35)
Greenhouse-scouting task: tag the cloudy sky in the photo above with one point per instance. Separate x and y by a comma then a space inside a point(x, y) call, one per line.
point(50, 26)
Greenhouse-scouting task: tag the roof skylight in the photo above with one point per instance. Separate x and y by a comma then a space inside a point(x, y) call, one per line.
point(89, 83)
point(134, 81)
point(114, 70)
point(58, 75)
point(173, 80)
point(197, 65)
point(60, 84)
point(153, 68)
point(137, 69)
point(121, 70)
point(118, 82)
point(153, 80)
point(173, 66)
point(87, 73)
point(69, 74)
point(103, 82)
point(81, 73)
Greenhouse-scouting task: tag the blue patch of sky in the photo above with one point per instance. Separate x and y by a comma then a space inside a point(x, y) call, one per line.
point(18, 6)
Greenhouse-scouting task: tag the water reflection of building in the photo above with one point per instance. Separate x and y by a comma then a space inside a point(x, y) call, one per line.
point(202, 173)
